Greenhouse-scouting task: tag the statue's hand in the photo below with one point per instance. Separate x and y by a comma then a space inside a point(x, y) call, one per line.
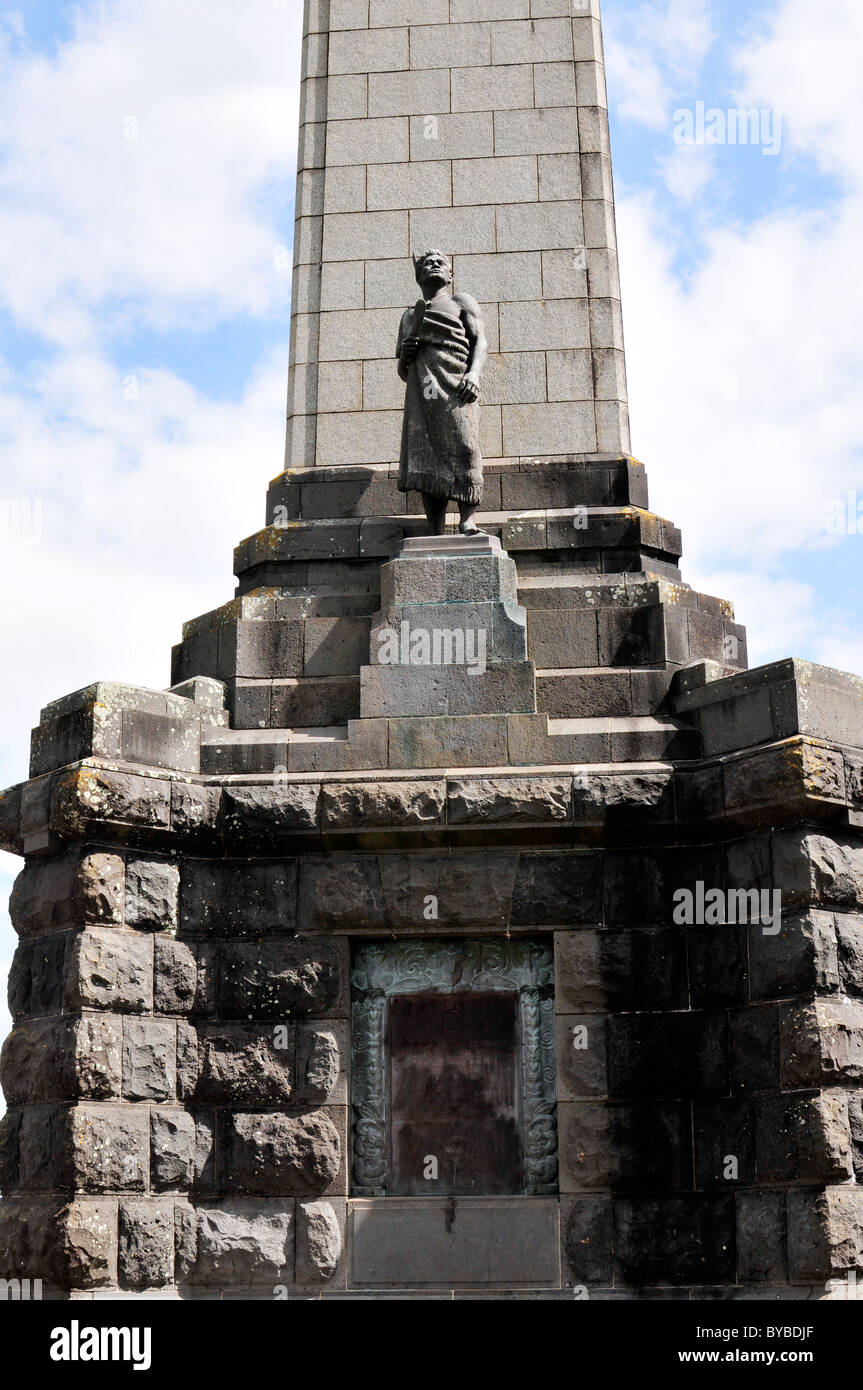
point(468, 388)
point(410, 348)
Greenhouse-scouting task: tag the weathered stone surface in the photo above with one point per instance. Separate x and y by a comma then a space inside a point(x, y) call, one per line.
point(818, 870)
point(35, 984)
point(258, 815)
point(618, 1146)
point(244, 1064)
point(187, 1060)
point(318, 1064)
point(233, 898)
point(379, 805)
point(821, 1043)
point(43, 1147)
point(667, 1055)
point(61, 1059)
point(761, 1246)
point(341, 893)
point(184, 977)
point(615, 799)
point(803, 1138)
point(152, 887)
point(280, 979)
point(621, 971)
point(849, 939)
point(195, 810)
point(587, 1241)
point(10, 1129)
point(149, 1059)
point(582, 1068)
point(110, 1148)
point(674, 1240)
point(800, 959)
point(145, 1253)
point(109, 969)
point(557, 890)
point(172, 1150)
point(754, 1039)
point(281, 1155)
point(90, 798)
point(319, 1242)
point(509, 800)
point(11, 839)
point(825, 1233)
point(240, 1243)
point(71, 890)
point(408, 881)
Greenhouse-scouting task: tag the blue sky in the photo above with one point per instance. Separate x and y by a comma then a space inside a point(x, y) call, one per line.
point(144, 311)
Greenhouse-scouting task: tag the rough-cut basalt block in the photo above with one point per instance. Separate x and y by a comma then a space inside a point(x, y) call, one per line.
point(71, 890)
point(280, 1155)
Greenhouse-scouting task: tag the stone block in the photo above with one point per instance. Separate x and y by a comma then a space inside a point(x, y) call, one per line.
point(236, 898)
point(801, 958)
point(145, 1250)
point(582, 1067)
point(849, 941)
point(319, 1241)
point(803, 1139)
point(109, 969)
point(760, 1238)
point(488, 89)
point(821, 1042)
point(263, 815)
point(509, 800)
point(685, 1240)
point(645, 1147)
point(71, 890)
point(673, 1055)
point(239, 1243)
point(280, 1155)
point(149, 1059)
point(417, 885)
point(434, 1243)
point(364, 805)
point(587, 1240)
point(718, 965)
point(378, 50)
point(109, 1148)
point(621, 971)
point(61, 1059)
point(557, 890)
point(408, 94)
point(245, 1064)
point(818, 870)
point(448, 741)
point(172, 1149)
point(825, 1233)
point(335, 646)
point(724, 1144)
point(281, 979)
point(184, 977)
point(35, 983)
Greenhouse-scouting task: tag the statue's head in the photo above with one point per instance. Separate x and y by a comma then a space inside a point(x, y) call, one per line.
point(433, 264)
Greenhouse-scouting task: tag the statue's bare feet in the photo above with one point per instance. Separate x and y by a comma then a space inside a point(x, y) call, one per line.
point(470, 528)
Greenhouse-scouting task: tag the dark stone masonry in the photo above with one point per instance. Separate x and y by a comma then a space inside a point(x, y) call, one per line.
point(344, 973)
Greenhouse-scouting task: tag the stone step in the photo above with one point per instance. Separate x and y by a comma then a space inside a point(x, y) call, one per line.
point(625, 532)
point(314, 494)
point(531, 740)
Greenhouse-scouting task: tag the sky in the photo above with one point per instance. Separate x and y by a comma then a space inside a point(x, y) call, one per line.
point(147, 160)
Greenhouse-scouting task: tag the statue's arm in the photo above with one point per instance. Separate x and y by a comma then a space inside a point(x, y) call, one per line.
point(471, 315)
point(405, 351)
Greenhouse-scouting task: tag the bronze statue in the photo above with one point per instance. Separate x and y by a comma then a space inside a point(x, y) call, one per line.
point(441, 352)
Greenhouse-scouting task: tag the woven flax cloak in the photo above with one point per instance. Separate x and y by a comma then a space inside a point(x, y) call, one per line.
point(440, 451)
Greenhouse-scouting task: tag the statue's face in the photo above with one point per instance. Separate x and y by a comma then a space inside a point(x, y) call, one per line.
point(433, 265)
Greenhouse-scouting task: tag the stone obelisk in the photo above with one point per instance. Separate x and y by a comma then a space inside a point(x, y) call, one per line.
point(465, 917)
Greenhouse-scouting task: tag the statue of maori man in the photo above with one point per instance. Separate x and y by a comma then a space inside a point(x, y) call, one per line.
point(441, 353)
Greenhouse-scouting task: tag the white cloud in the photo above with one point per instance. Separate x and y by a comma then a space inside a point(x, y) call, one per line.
point(652, 49)
point(98, 229)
